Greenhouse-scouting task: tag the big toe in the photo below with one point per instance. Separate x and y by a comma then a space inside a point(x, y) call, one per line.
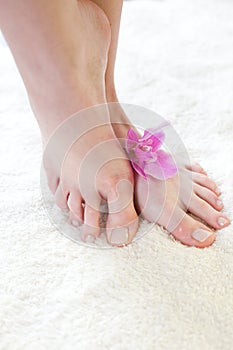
point(193, 233)
point(122, 227)
point(122, 222)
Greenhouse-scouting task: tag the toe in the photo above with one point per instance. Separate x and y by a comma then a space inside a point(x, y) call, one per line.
point(122, 226)
point(122, 222)
point(206, 212)
point(74, 220)
point(91, 227)
point(53, 183)
point(205, 181)
point(76, 209)
point(208, 196)
point(197, 168)
point(193, 233)
point(61, 196)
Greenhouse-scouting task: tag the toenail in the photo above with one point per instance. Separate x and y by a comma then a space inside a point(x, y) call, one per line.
point(222, 221)
point(201, 235)
point(90, 239)
point(75, 223)
point(119, 235)
point(219, 202)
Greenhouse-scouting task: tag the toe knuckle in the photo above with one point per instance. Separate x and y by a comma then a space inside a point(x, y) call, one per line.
point(211, 197)
point(113, 180)
point(206, 181)
point(110, 183)
point(203, 206)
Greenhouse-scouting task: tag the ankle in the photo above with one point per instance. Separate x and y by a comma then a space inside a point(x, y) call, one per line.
point(52, 105)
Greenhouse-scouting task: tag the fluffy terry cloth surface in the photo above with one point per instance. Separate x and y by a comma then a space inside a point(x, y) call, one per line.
point(175, 57)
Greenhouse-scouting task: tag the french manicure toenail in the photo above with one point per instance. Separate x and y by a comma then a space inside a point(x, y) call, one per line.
point(219, 202)
point(75, 223)
point(119, 235)
point(222, 221)
point(201, 235)
point(90, 239)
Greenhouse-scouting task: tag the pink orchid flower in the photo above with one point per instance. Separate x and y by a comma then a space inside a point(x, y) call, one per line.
point(145, 155)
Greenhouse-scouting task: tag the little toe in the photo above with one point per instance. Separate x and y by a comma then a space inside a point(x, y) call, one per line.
point(206, 212)
point(76, 208)
point(193, 233)
point(197, 168)
point(61, 197)
point(208, 196)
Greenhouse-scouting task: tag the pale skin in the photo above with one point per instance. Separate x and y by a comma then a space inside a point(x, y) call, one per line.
point(65, 52)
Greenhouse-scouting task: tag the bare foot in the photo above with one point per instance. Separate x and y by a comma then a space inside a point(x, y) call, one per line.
point(174, 203)
point(95, 157)
point(64, 74)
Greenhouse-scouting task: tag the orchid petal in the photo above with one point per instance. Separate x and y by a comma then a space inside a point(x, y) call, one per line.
point(156, 139)
point(131, 134)
point(145, 156)
point(142, 155)
point(131, 139)
point(138, 169)
point(154, 170)
point(163, 169)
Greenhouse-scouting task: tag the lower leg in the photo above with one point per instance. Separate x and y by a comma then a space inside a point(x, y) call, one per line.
point(45, 38)
point(61, 50)
point(113, 11)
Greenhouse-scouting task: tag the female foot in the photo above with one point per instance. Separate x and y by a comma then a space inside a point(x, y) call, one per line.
point(173, 203)
point(204, 204)
point(67, 47)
